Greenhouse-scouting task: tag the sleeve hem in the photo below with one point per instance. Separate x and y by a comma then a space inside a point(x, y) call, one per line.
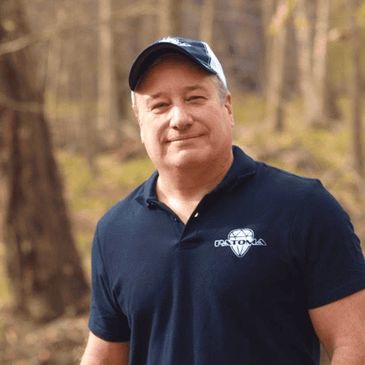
point(106, 336)
point(338, 293)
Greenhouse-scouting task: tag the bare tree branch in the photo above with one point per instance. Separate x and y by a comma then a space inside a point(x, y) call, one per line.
point(20, 43)
point(20, 106)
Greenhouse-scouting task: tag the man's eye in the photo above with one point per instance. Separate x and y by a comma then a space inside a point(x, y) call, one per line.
point(159, 105)
point(195, 98)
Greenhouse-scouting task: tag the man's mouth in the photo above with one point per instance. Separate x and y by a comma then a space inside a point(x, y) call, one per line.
point(183, 138)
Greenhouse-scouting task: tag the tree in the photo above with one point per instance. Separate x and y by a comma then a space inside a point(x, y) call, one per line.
point(107, 109)
point(207, 21)
point(355, 88)
point(42, 261)
point(312, 56)
point(276, 50)
point(320, 56)
point(170, 17)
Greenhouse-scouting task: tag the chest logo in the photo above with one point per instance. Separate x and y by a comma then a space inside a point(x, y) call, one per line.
point(240, 240)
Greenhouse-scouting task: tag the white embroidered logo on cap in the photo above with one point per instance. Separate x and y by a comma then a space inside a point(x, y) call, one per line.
point(175, 41)
point(240, 241)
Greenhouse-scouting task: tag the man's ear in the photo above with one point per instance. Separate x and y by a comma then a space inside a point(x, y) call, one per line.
point(141, 132)
point(135, 112)
point(134, 105)
point(228, 106)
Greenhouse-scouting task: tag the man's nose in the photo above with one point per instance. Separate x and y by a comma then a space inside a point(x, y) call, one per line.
point(180, 118)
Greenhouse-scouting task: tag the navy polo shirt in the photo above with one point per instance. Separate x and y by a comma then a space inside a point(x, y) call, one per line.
point(232, 286)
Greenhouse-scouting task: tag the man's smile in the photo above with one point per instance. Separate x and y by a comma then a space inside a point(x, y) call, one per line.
point(183, 138)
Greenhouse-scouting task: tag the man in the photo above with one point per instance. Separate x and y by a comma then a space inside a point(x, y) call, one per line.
point(217, 258)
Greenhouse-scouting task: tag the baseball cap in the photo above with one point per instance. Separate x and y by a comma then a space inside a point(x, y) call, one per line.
point(196, 50)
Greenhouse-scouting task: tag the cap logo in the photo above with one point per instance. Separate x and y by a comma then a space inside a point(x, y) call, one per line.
point(176, 41)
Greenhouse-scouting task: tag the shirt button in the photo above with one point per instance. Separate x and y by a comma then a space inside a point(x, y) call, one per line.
point(196, 215)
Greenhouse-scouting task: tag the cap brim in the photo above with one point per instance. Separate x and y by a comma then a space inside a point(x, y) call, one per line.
point(144, 61)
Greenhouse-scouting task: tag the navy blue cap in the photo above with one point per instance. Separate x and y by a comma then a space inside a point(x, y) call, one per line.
point(198, 51)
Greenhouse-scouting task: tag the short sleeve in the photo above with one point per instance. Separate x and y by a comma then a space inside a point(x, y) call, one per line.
point(329, 252)
point(106, 319)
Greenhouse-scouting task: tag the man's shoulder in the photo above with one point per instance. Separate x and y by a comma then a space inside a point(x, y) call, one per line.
point(271, 179)
point(296, 190)
point(122, 212)
point(286, 181)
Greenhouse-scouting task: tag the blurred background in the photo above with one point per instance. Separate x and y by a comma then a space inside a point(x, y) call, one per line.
point(69, 145)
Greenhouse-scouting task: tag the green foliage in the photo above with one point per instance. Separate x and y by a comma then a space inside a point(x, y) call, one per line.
point(98, 191)
point(323, 148)
point(91, 193)
point(361, 15)
point(4, 288)
point(248, 109)
point(127, 174)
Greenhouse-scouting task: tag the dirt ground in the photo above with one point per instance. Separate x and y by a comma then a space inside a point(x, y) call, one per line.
point(60, 342)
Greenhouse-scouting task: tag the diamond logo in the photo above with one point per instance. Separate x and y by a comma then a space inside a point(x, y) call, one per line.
point(240, 241)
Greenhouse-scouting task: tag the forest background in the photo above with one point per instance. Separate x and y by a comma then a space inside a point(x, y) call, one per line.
point(69, 144)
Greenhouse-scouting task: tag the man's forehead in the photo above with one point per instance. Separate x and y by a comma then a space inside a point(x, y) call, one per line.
point(187, 88)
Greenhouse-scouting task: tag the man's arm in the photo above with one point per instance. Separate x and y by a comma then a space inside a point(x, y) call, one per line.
point(340, 327)
point(100, 352)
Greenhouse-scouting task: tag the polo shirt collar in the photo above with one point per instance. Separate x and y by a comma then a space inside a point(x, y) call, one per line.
point(242, 167)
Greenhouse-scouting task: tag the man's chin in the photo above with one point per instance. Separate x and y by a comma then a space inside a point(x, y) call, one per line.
point(188, 158)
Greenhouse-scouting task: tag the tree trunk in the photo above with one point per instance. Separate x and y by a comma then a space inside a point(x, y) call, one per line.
point(207, 21)
point(52, 75)
point(312, 56)
point(355, 87)
point(305, 60)
point(276, 52)
point(320, 47)
point(170, 17)
point(107, 109)
point(89, 133)
point(43, 264)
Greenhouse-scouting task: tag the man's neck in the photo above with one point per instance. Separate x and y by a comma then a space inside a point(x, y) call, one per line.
point(183, 189)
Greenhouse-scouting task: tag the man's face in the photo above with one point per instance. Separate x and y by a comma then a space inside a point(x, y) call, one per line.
point(183, 121)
